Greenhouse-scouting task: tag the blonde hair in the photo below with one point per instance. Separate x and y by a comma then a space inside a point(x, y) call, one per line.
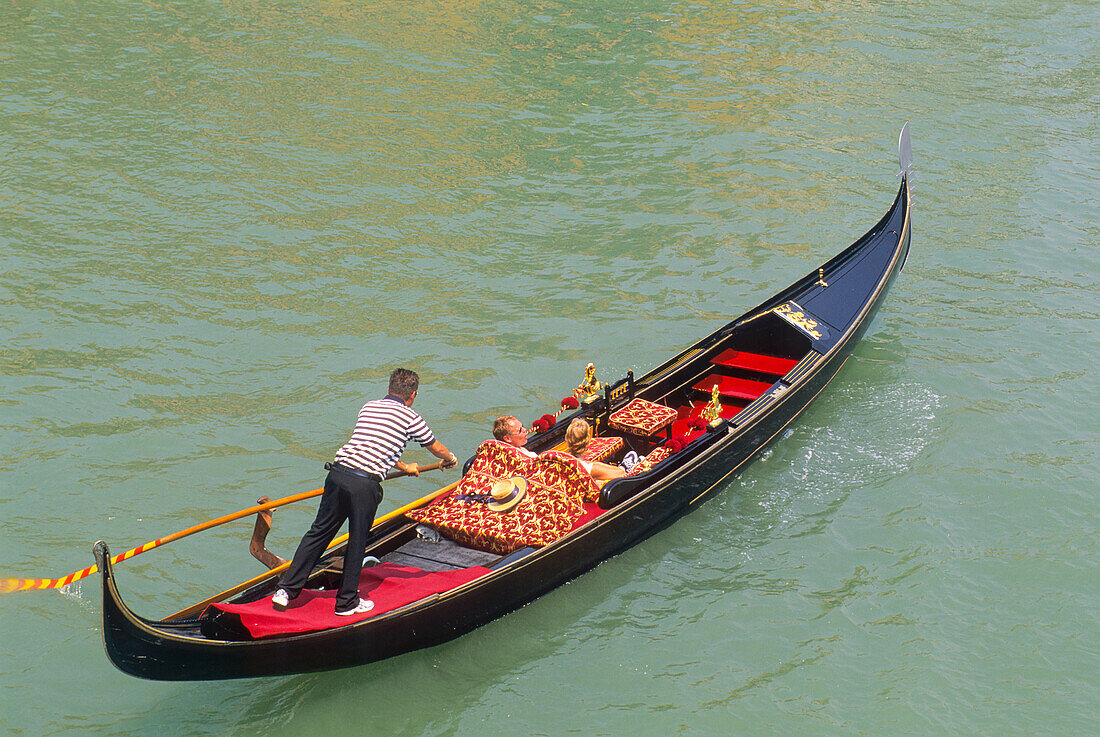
point(577, 436)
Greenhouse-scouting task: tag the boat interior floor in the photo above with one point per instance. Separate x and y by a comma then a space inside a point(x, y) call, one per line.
point(441, 555)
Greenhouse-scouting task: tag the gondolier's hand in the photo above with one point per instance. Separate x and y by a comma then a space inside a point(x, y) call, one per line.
point(412, 469)
point(440, 451)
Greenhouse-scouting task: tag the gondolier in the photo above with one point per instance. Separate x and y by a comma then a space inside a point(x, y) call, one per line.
point(353, 489)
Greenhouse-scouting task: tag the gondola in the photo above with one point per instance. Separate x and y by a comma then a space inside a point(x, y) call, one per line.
point(696, 420)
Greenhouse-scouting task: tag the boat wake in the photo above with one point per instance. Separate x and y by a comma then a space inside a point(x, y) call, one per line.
point(872, 435)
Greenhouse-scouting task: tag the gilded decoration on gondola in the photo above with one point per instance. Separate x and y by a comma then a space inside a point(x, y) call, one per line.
point(795, 315)
point(821, 278)
point(545, 422)
point(567, 404)
point(590, 386)
point(712, 410)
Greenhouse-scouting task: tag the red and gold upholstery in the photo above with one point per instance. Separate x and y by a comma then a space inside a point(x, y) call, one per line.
point(499, 460)
point(600, 449)
point(562, 471)
point(640, 417)
point(655, 456)
point(550, 508)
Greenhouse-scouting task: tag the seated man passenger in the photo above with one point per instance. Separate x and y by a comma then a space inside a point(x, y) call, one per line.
point(508, 429)
point(577, 436)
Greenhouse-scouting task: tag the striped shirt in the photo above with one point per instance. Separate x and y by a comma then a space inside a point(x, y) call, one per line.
point(381, 432)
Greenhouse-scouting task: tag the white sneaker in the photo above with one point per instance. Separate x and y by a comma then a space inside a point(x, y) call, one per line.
point(629, 461)
point(365, 605)
point(280, 599)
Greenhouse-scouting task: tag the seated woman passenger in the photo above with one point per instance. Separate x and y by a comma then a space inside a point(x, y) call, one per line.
point(577, 436)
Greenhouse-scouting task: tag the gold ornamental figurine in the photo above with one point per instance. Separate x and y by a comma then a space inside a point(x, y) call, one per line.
point(590, 386)
point(711, 413)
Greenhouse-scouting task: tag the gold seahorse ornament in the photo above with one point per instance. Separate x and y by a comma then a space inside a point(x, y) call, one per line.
point(590, 386)
point(712, 411)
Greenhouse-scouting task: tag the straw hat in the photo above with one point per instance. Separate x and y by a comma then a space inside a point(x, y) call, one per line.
point(507, 493)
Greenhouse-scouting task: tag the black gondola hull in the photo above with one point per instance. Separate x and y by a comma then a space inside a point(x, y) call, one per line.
point(169, 650)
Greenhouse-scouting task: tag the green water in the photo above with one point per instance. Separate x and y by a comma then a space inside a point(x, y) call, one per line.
point(222, 224)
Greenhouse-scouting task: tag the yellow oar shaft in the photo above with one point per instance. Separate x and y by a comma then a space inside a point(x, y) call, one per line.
point(8, 585)
point(26, 584)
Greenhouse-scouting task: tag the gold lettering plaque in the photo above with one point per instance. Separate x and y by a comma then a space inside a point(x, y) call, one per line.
point(795, 315)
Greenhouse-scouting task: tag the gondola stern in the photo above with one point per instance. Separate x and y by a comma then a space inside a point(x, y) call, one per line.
point(112, 602)
point(102, 555)
point(118, 621)
point(114, 610)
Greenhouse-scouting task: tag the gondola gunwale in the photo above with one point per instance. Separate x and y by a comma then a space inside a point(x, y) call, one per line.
point(707, 448)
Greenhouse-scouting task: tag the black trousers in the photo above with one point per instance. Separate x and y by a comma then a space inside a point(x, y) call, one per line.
point(346, 497)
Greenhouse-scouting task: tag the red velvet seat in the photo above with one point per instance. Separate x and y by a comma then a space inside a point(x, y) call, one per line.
point(557, 486)
point(562, 471)
point(683, 427)
point(655, 456)
point(758, 362)
point(640, 417)
point(729, 386)
point(600, 449)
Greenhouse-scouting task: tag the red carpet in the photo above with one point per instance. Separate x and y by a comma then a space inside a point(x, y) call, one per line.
point(591, 512)
point(389, 586)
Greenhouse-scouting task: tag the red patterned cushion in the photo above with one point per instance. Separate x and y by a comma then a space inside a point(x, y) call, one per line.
point(501, 460)
point(655, 456)
point(600, 449)
point(544, 515)
point(549, 510)
point(563, 471)
point(642, 418)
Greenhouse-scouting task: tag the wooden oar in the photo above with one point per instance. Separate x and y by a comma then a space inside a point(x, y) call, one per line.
point(8, 585)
